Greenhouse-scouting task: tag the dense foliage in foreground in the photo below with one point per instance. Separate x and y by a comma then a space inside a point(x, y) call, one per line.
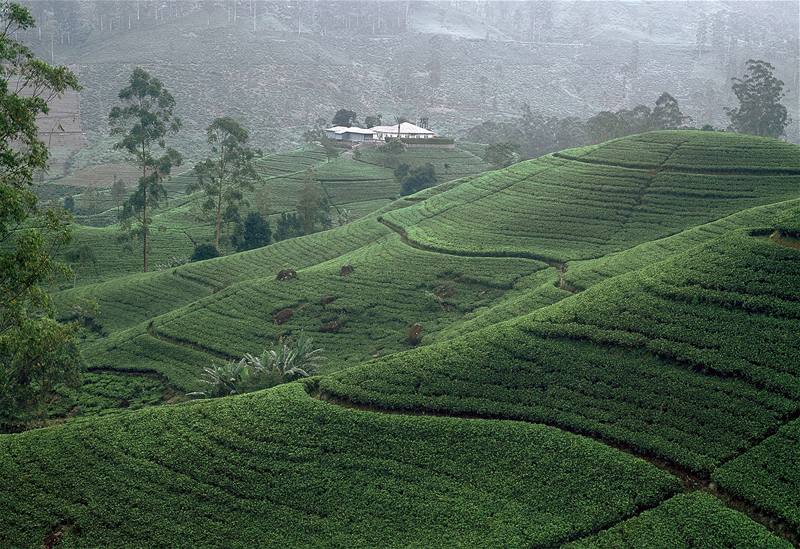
point(280, 468)
point(688, 520)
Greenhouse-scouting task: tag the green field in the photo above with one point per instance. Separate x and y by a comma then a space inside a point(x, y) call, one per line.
point(563, 208)
point(356, 188)
point(608, 358)
point(281, 468)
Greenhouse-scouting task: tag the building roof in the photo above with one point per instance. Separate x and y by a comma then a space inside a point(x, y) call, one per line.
point(351, 129)
point(405, 127)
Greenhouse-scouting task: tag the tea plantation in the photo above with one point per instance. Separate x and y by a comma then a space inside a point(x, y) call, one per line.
point(280, 468)
point(565, 207)
point(706, 326)
point(596, 348)
point(358, 187)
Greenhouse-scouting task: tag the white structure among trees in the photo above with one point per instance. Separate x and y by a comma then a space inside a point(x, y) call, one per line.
point(405, 130)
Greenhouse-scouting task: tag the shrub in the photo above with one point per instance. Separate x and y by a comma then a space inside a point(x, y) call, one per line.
point(223, 379)
point(393, 146)
point(418, 179)
point(254, 233)
point(288, 360)
point(203, 252)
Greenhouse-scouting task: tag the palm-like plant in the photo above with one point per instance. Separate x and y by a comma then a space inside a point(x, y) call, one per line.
point(223, 379)
point(289, 359)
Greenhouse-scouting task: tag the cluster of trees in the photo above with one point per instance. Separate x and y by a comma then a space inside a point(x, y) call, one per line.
point(71, 22)
point(349, 118)
point(760, 112)
point(500, 155)
point(415, 179)
point(534, 134)
point(144, 121)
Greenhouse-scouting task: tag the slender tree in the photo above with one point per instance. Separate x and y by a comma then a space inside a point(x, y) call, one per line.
point(227, 173)
point(312, 206)
point(36, 352)
point(149, 194)
point(667, 114)
point(760, 111)
point(143, 121)
point(118, 191)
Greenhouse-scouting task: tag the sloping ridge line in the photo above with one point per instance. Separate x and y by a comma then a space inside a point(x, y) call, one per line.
point(691, 481)
point(681, 169)
point(459, 253)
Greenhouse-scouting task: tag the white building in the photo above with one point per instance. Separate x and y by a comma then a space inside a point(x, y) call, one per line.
point(405, 130)
point(343, 133)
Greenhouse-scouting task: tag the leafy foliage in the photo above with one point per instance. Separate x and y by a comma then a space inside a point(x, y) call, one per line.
point(224, 176)
point(313, 207)
point(203, 252)
point(344, 117)
point(501, 155)
point(289, 359)
point(254, 232)
point(36, 353)
point(417, 179)
point(760, 111)
point(143, 121)
point(223, 378)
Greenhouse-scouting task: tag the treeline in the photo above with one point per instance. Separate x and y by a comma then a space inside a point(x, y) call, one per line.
point(759, 112)
point(533, 134)
point(67, 22)
point(144, 123)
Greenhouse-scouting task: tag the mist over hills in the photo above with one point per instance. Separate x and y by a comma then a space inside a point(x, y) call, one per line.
point(281, 66)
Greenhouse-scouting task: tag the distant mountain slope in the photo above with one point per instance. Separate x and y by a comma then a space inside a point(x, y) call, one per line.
point(457, 63)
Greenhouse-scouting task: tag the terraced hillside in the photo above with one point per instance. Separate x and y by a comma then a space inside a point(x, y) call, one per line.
point(354, 189)
point(173, 321)
point(589, 202)
point(636, 386)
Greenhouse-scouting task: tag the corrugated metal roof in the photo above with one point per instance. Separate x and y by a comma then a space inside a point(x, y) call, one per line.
point(405, 127)
point(353, 129)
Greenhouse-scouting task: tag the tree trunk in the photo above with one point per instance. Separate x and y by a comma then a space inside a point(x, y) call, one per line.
point(218, 228)
point(145, 224)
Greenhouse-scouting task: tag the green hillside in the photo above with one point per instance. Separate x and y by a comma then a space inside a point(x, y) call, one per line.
point(570, 206)
point(281, 468)
point(692, 520)
point(612, 332)
point(354, 187)
point(573, 364)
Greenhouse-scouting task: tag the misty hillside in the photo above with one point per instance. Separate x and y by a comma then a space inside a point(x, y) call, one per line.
point(281, 66)
point(400, 274)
